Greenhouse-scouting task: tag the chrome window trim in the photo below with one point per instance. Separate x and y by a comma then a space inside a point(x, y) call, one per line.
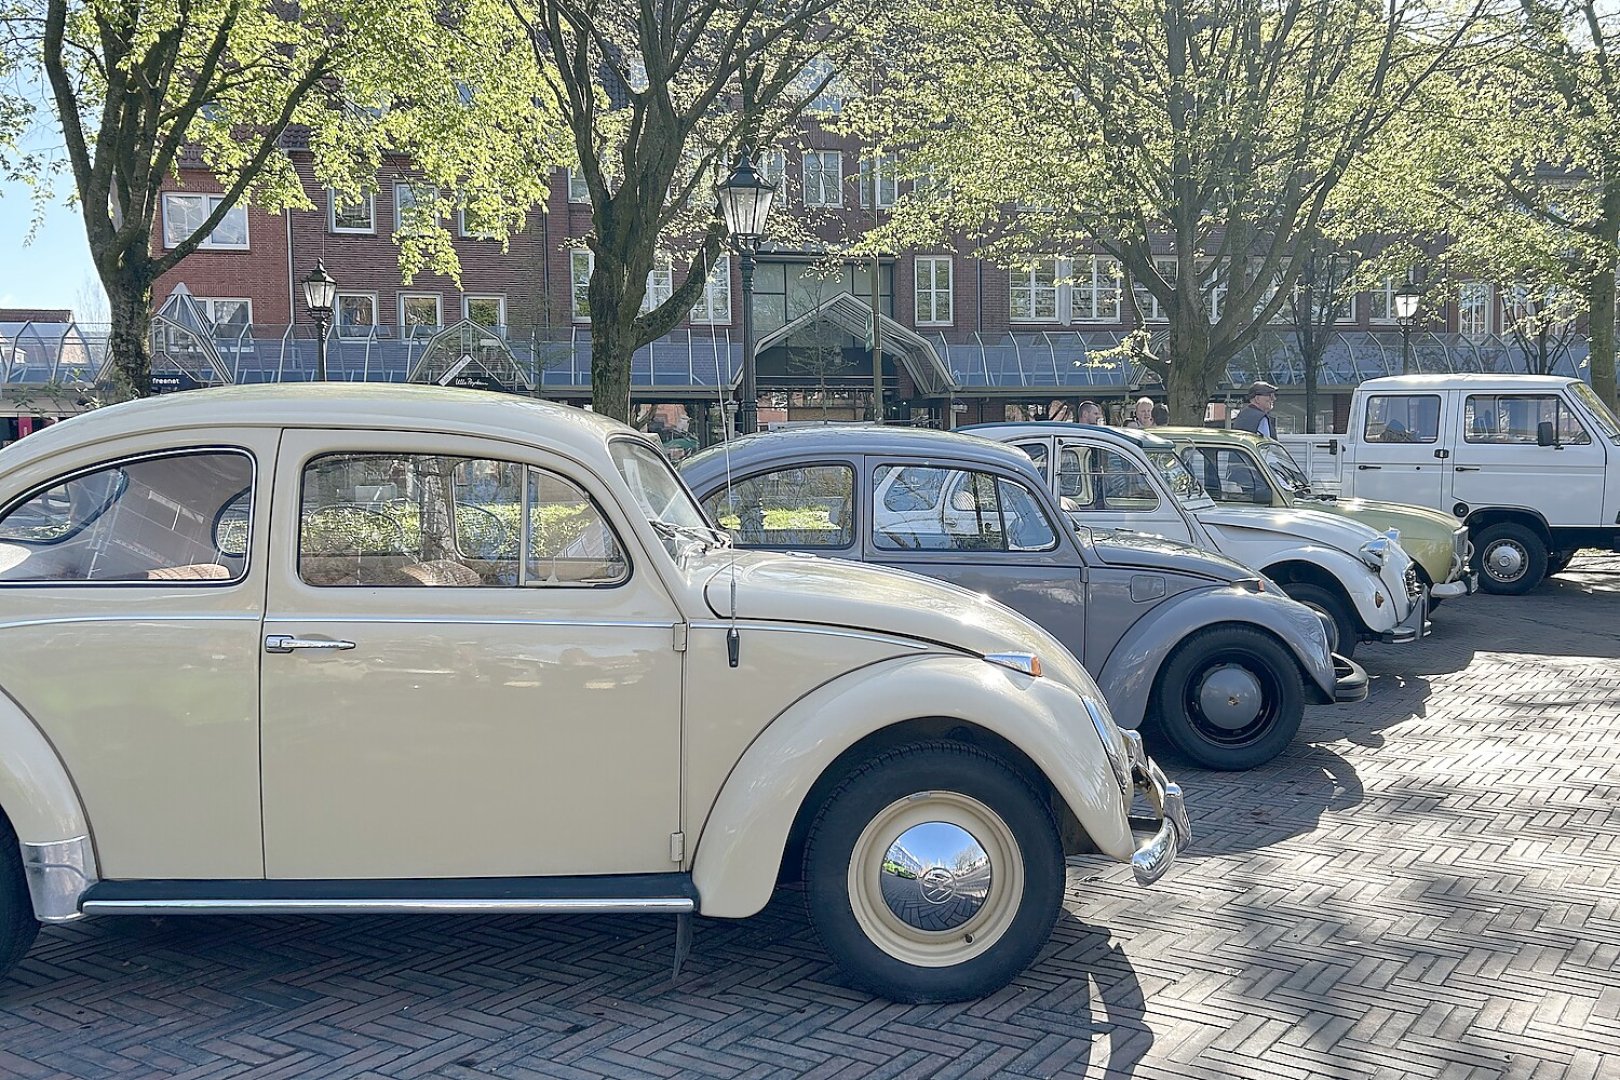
point(806, 628)
point(167, 616)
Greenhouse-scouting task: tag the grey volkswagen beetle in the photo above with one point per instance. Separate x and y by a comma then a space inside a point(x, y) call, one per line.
point(1197, 646)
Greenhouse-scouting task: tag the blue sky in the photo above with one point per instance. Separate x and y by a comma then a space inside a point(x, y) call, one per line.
point(55, 270)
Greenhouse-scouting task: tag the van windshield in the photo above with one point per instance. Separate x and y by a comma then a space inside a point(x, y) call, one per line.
point(1605, 419)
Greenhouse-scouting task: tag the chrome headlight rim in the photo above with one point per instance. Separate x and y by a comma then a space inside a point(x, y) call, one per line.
point(1375, 552)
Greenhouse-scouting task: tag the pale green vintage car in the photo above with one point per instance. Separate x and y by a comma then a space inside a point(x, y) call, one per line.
point(1239, 467)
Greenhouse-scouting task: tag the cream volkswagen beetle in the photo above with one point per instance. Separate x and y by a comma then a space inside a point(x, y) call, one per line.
point(371, 649)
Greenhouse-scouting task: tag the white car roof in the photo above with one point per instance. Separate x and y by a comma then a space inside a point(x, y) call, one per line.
point(1467, 382)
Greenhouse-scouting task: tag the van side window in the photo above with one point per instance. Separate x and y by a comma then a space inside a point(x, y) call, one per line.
point(1403, 418)
point(1513, 419)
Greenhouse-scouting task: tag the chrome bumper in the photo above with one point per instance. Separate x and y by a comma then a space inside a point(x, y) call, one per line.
point(1466, 585)
point(1173, 832)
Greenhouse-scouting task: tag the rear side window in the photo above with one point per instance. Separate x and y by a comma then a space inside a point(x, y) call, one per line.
point(975, 512)
point(180, 517)
point(1403, 418)
point(801, 507)
point(1514, 419)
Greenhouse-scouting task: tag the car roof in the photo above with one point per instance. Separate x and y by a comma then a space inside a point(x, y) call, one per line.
point(1141, 437)
point(1210, 434)
point(750, 450)
point(332, 405)
point(1470, 381)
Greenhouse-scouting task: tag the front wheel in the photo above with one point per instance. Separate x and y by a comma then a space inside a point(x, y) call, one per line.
point(1510, 558)
point(1338, 618)
point(17, 924)
point(934, 873)
point(1230, 698)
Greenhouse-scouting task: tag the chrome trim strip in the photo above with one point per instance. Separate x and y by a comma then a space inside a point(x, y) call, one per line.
point(670, 905)
point(807, 628)
point(58, 874)
point(467, 620)
point(163, 617)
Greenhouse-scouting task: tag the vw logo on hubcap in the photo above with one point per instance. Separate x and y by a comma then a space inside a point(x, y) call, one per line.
point(938, 886)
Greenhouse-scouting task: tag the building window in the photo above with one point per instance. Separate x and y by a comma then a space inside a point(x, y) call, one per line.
point(356, 216)
point(1168, 269)
point(183, 215)
point(471, 226)
point(773, 167)
point(830, 99)
point(1474, 309)
point(934, 290)
point(230, 316)
point(578, 190)
point(823, 178)
point(580, 263)
point(487, 311)
point(419, 309)
point(415, 209)
point(1095, 294)
point(1381, 302)
point(660, 282)
point(356, 314)
point(888, 188)
point(1034, 295)
point(715, 307)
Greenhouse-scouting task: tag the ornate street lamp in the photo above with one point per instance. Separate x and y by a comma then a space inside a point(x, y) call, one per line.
point(745, 203)
point(319, 292)
point(1406, 309)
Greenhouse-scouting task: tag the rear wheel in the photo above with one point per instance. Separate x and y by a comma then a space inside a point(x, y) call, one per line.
point(1230, 698)
point(17, 925)
point(934, 873)
point(1510, 558)
point(1343, 628)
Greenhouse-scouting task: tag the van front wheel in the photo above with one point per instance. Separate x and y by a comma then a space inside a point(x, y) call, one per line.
point(1510, 558)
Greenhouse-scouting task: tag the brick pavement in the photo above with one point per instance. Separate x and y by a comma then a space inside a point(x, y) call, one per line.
point(1428, 887)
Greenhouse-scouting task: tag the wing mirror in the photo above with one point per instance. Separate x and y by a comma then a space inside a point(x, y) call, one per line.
point(1546, 434)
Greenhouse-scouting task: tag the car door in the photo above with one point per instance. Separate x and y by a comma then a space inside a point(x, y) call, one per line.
point(467, 670)
point(1010, 545)
point(1105, 489)
point(131, 590)
point(1402, 457)
point(1499, 462)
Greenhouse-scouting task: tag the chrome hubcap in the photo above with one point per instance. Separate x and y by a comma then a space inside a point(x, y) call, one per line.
point(1505, 560)
point(1231, 697)
point(936, 876)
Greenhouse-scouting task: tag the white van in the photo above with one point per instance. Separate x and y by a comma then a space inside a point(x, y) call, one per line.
point(1531, 464)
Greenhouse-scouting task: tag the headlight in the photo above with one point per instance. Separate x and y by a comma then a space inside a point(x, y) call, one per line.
point(1375, 552)
point(1115, 744)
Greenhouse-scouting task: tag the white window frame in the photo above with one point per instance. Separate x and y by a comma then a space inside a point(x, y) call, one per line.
point(370, 199)
point(438, 309)
point(715, 307)
point(462, 231)
point(337, 307)
point(579, 300)
point(1168, 268)
point(773, 167)
point(831, 99)
point(660, 281)
point(430, 190)
point(1476, 301)
point(579, 192)
point(817, 195)
point(469, 299)
point(931, 295)
point(1384, 297)
point(1026, 279)
point(208, 243)
point(210, 306)
point(1097, 276)
point(888, 183)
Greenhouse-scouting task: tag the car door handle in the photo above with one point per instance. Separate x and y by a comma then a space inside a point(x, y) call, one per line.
point(1369, 467)
point(1467, 468)
point(286, 643)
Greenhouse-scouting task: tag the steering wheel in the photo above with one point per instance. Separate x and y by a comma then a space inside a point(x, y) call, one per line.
point(485, 536)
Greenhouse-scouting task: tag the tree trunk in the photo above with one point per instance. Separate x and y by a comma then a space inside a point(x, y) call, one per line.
point(1601, 308)
point(612, 345)
point(1190, 383)
point(1311, 358)
point(129, 298)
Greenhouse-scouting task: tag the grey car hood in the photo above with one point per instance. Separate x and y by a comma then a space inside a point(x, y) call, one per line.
point(1132, 549)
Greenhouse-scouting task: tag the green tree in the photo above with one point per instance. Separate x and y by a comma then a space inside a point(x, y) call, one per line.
point(657, 96)
point(1198, 143)
point(138, 87)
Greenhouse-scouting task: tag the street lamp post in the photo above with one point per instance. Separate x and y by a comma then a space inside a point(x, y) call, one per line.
point(319, 292)
point(1406, 309)
point(745, 203)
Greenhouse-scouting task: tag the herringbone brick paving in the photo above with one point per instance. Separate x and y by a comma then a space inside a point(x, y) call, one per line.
point(1427, 885)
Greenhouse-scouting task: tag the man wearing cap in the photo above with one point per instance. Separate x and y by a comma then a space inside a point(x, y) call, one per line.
point(1256, 415)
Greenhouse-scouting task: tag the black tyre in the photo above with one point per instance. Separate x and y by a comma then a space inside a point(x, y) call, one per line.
point(934, 873)
point(17, 925)
point(1230, 698)
point(1343, 627)
point(1510, 558)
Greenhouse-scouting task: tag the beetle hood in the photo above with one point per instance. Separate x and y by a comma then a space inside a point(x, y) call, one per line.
point(1131, 549)
point(1314, 526)
point(789, 587)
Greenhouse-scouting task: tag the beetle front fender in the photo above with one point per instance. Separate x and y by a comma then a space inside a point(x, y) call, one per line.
point(35, 790)
point(1360, 582)
point(740, 850)
point(1131, 670)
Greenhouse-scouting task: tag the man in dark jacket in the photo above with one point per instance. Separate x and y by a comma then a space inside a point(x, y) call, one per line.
point(1256, 415)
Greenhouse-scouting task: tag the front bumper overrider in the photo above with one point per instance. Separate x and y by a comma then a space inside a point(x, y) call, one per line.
point(1172, 831)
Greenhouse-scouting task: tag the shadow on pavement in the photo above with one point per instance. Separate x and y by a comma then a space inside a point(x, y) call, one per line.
point(1247, 811)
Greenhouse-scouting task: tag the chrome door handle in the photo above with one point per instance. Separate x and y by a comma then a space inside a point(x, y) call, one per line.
point(1366, 467)
point(1467, 468)
point(286, 643)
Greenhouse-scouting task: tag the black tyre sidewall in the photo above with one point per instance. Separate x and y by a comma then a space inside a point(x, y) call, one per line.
point(885, 780)
point(1186, 663)
point(17, 924)
point(1535, 555)
point(1343, 616)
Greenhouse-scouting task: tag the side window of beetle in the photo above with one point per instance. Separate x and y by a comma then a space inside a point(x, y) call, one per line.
point(809, 506)
point(380, 519)
point(181, 517)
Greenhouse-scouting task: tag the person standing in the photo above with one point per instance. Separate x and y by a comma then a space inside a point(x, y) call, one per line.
point(1143, 417)
point(1090, 412)
point(1161, 414)
point(1256, 415)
